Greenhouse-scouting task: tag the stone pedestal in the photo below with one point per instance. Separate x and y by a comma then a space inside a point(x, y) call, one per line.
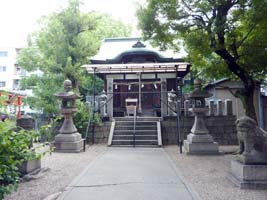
point(69, 143)
point(29, 166)
point(248, 176)
point(200, 145)
point(199, 141)
point(68, 140)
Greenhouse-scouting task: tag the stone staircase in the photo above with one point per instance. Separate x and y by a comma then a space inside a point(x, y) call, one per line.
point(147, 132)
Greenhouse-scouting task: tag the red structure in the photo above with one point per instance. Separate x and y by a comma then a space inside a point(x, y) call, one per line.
point(11, 98)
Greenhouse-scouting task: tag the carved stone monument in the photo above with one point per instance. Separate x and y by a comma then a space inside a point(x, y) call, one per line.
point(28, 123)
point(68, 139)
point(199, 141)
point(249, 169)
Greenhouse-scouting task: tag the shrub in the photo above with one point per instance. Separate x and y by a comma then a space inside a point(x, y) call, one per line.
point(82, 116)
point(14, 150)
point(49, 131)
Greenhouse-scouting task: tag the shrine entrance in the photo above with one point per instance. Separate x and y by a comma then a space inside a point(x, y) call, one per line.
point(148, 99)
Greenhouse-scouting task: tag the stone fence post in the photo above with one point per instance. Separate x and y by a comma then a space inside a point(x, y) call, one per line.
point(211, 108)
point(186, 108)
point(219, 107)
point(228, 107)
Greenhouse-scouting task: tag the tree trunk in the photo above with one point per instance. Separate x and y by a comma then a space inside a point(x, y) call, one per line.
point(249, 83)
point(248, 102)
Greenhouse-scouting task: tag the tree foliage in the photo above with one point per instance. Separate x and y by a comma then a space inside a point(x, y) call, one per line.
point(67, 39)
point(223, 38)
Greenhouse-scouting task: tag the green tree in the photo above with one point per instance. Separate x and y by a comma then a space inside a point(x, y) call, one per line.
point(223, 38)
point(67, 39)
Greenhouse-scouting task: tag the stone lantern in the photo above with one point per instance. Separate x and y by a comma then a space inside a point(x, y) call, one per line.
point(172, 103)
point(68, 139)
point(199, 141)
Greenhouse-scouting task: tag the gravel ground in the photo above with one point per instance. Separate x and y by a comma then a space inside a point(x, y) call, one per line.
point(62, 169)
point(205, 174)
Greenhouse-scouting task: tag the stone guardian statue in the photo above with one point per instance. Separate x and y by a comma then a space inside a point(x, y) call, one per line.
point(249, 168)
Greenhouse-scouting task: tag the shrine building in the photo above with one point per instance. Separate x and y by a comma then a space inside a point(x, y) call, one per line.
point(136, 73)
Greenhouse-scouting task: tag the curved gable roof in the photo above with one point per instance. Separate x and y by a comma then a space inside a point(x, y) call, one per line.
point(124, 50)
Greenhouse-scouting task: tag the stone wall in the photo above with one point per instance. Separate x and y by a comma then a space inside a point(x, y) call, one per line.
point(101, 133)
point(222, 128)
point(220, 122)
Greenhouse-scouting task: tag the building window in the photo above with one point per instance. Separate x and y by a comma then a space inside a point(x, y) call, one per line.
point(16, 84)
point(2, 68)
point(18, 69)
point(3, 53)
point(2, 84)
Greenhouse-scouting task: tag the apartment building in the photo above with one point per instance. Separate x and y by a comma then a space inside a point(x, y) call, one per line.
point(10, 75)
point(10, 71)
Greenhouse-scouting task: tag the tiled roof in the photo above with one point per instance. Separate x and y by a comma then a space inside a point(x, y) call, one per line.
point(113, 47)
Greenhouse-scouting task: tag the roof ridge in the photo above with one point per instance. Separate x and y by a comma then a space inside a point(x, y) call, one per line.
point(121, 39)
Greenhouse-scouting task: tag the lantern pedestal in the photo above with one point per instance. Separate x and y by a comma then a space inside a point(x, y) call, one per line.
point(68, 143)
point(68, 140)
point(199, 141)
point(200, 145)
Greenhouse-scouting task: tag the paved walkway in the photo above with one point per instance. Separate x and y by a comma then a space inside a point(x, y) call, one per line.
point(130, 174)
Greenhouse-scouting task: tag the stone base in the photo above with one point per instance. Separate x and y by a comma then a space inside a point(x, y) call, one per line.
point(29, 166)
point(70, 137)
point(69, 143)
point(248, 176)
point(200, 145)
point(253, 157)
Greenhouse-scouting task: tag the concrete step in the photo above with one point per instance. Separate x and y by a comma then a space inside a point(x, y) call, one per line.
point(146, 132)
point(138, 119)
point(140, 146)
point(143, 123)
point(136, 128)
point(137, 142)
point(137, 132)
point(137, 137)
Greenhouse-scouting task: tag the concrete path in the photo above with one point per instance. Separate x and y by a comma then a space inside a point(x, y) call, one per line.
point(130, 174)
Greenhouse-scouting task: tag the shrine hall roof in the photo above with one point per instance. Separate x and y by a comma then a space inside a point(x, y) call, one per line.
point(113, 48)
point(131, 55)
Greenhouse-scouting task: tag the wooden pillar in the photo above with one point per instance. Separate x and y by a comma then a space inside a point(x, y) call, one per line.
point(110, 97)
point(164, 97)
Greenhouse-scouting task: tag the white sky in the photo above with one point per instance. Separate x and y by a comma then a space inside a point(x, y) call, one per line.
point(18, 18)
